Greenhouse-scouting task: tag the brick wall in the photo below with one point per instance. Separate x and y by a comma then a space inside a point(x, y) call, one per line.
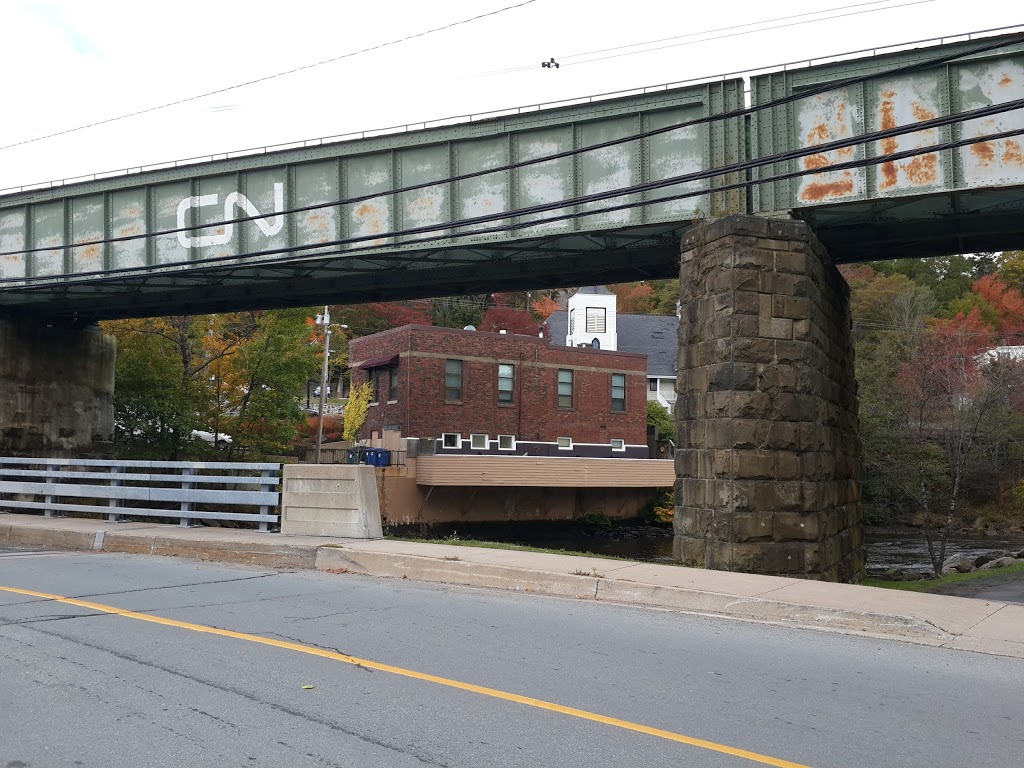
point(420, 410)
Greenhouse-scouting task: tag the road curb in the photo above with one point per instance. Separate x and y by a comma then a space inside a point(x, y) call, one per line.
point(338, 559)
point(275, 554)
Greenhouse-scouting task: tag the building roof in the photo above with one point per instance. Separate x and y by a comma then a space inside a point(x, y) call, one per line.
point(656, 336)
point(597, 290)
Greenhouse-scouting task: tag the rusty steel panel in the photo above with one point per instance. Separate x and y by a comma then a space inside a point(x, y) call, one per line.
point(903, 101)
point(168, 208)
point(315, 184)
point(881, 102)
point(677, 153)
point(483, 195)
point(998, 162)
point(367, 175)
point(547, 182)
point(610, 168)
point(128, 220)
point(87, 217)
point(12, 240)
point(48, 233)
point(429, 204)
point(820, 119)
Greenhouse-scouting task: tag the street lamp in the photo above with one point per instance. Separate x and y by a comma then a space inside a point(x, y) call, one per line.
point(324, 320)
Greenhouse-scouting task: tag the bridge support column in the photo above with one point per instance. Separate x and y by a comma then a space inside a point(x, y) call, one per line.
point(769, 455)
point(56, 391)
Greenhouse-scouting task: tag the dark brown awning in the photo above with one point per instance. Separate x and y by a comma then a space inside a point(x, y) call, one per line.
point(378, 362)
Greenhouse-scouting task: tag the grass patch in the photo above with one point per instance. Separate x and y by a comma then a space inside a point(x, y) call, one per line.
point(502, 545)
point(930, 585)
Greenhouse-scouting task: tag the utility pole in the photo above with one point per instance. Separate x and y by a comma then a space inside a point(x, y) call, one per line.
point(325, 320)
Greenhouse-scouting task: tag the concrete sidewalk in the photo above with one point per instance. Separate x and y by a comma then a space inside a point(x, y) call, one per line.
point(951, 622)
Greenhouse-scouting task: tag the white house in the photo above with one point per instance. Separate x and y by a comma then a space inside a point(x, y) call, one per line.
point(592, 320)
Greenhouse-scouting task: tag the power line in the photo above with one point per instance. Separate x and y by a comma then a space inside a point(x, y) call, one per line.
point(267, 77)
point(287, 256)
point(624, 191)
point(563, 59)
point(741, 112)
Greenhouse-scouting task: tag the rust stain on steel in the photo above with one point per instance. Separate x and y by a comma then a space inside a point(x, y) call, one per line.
point(890, 174)
point(894, 111)
point(984, 152)
point(1007, 80)
point(817, 191)
point(922, 170)
point(372, 219)
point(1013, 154)
point(319, 226)
point(825, 118)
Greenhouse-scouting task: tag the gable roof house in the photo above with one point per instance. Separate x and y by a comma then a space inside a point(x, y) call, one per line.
point(593, 321)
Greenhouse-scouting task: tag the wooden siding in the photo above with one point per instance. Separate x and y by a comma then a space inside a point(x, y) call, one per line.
point(543, 472)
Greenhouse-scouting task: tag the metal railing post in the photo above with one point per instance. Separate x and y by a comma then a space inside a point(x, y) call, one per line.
point(113, 503)
point(186, 506)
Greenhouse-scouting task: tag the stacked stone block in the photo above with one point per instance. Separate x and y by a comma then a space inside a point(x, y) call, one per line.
point(769, 455)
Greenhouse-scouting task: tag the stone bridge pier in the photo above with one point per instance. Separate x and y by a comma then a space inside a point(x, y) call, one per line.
point(56, 391)
point(768, 456)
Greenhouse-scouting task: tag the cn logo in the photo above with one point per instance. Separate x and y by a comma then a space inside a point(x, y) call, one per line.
point(268, 226)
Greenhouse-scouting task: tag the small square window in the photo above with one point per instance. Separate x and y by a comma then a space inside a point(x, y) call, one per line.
point(618, 445)
point(478, 442)
point(565, 443)
point(506, 442)
point(451, 440)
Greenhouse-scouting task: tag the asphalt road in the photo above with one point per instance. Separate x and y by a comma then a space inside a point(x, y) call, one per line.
point(564, 683)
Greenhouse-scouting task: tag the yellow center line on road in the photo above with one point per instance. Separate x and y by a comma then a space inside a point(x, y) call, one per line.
point(582, 714)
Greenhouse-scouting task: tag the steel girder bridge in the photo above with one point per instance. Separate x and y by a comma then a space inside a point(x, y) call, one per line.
point(905, 154)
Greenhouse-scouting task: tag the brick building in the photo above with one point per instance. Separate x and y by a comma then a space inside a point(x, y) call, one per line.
point(497, 393)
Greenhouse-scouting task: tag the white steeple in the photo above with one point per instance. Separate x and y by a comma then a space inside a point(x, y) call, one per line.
point(592, 319)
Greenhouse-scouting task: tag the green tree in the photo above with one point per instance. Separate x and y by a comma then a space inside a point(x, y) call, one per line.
point(659, 417)
point(264, 374)
point(458, 311)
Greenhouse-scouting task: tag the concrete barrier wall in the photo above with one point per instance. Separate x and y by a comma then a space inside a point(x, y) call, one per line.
point(330, 500)
point(56, 391)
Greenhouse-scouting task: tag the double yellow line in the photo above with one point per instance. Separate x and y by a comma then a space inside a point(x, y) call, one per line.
point(343, 657)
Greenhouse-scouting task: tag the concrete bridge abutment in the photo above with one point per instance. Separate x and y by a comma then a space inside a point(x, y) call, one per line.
point(768, 456)
point(56, 391)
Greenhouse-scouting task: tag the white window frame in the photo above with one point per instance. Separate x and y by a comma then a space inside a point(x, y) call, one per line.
point(473, 442)
point(507, 438)
point(597, 320)
point(444, 440)
point(618, 445)
point(564, 443)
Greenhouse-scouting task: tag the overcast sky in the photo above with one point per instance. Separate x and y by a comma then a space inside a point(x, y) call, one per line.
point(67, 63)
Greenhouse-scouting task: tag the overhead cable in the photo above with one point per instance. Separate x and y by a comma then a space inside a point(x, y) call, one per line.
point(285, 255)
point(525, 68)
point(266, 78)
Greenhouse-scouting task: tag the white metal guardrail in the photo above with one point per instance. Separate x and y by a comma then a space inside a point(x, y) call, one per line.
point(187, 490)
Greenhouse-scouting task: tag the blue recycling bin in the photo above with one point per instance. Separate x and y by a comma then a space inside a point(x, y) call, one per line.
point(383, 457)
